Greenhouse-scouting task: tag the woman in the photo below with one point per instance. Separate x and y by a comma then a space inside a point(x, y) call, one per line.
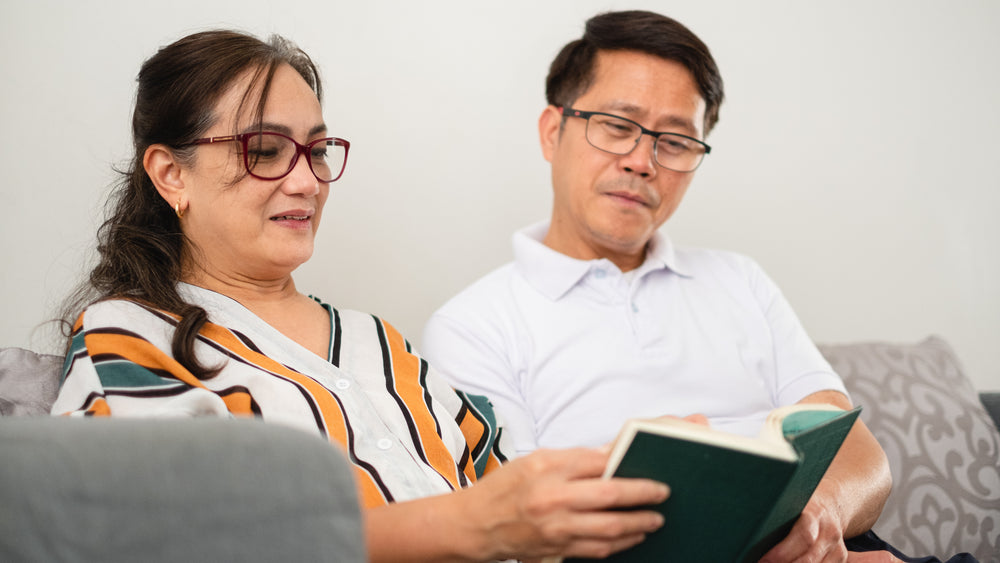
point(192, 310)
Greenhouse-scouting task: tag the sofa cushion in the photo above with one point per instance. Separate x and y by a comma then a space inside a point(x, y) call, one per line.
point(207, 489)
point(28, 381)
point(943, 449)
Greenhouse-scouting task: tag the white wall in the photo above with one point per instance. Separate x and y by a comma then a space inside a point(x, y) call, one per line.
point(856, 157)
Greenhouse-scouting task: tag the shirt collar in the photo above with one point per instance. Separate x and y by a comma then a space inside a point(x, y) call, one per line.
point(553, 274)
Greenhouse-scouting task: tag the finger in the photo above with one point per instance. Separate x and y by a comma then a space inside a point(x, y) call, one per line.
point(872, 557)
point(697, 419)
point(797, 543)
point(574, 463)
point(598, 549)
point(598, 494)
point(608, 526)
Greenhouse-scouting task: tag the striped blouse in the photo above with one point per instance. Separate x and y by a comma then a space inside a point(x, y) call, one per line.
point(407, 433)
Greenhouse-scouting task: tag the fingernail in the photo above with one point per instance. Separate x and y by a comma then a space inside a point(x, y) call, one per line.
point(664, 491)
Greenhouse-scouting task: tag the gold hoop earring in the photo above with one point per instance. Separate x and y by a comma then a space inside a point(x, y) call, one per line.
point(177, 210)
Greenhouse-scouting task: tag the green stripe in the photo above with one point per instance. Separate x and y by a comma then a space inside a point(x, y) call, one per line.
point(123, 373)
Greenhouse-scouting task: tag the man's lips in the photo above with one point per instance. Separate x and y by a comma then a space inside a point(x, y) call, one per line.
point(629, 196)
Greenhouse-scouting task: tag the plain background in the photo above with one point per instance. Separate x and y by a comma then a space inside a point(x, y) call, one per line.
point(856, 157)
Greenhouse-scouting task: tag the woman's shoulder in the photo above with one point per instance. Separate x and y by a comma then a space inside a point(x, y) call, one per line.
point(120, 312)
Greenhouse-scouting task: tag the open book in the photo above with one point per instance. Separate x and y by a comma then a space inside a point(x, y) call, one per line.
point(732, 497)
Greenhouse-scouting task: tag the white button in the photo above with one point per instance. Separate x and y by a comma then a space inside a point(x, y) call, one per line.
point(634, 308)
point(342, 384)
point(384, 444)
point(599, 274)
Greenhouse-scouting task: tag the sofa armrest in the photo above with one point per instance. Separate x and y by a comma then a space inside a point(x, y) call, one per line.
point(173, 490)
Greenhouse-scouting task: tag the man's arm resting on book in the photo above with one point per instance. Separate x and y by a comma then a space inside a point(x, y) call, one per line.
point(847, 501)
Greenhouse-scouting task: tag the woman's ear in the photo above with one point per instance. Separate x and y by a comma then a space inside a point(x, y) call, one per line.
point(164, 169)
point(549, 129)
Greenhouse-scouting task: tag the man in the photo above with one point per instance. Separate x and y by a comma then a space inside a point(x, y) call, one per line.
point(601, 318)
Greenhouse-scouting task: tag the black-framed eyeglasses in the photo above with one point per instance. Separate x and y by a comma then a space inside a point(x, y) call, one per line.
point(618, 135)
point(271, 156)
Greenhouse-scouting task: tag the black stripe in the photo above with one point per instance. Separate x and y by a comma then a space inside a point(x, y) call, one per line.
point(172, 391)
point(496, 447)
point(254, 407)
point(317, 416)
point(391, 388)
point(159, 314)
point(114, 330)
point(353, 456)
point(427, 396)
point(245, 340)
point(337, 333)
point(89, 401)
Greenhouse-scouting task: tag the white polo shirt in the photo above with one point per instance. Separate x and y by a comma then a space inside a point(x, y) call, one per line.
point(568, 350)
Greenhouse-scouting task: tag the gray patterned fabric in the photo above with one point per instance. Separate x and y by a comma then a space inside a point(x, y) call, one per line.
point(28, 381)
point(943, 449)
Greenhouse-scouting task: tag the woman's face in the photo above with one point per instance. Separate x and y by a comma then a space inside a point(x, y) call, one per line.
point(242, 229)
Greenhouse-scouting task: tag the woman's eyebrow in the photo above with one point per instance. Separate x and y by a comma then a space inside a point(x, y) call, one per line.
point(283, 129)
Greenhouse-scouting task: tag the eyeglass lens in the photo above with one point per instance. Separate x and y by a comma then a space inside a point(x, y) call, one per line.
point(270, 156)
point(619, 136)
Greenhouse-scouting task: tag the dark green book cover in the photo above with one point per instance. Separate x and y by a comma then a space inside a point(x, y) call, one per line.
point(729, 502)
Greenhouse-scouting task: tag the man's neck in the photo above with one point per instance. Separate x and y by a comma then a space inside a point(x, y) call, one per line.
point(625, 259)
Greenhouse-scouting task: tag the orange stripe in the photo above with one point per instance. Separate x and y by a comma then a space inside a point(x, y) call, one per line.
point(493, 463)
point(368, 491)
point(239, 403)
point(333, 417)
point(473, 430)
point(139, 351)
point(406, 370)
point(329, 409)
point(100, 407)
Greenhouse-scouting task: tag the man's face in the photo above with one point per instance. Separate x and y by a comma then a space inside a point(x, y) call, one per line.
point(608, 205)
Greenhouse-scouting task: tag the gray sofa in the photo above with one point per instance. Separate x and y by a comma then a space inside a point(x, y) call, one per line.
point(218, 490)
point(163, 490)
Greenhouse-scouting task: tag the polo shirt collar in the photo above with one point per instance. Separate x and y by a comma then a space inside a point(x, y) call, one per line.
point(553, 274)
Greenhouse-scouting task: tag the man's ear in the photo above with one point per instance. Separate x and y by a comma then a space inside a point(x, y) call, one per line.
point(549, 130)
point(164, 169)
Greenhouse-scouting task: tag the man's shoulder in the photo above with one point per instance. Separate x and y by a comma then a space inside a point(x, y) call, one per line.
point(704, 260)
point(490, 292)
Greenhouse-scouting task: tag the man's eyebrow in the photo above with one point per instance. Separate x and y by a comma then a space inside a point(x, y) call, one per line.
point(632, 111)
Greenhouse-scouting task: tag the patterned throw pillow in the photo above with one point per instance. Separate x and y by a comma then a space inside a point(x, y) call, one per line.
point(943, 449)
point(28, 382)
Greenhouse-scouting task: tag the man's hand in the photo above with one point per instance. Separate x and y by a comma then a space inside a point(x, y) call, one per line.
point(816, 536)
point(847, 501)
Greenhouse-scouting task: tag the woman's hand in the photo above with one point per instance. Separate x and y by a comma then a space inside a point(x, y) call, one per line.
point(555, 503)
point(546, 503)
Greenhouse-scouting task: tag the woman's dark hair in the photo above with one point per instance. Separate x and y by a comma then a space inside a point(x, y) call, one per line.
point(141, 244)
point(572, 71)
